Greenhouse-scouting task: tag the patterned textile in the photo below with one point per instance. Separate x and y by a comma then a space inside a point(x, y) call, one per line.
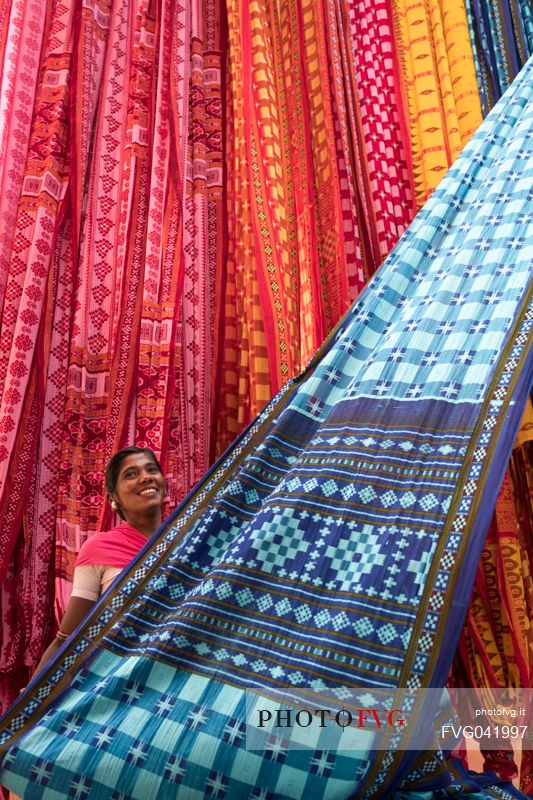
point(384, 179)
point(36, 257)
point(502, 39)
point(288, 226)
point(110, 214)
point(190, 348)
point(501, 32)
point(439, 82)
point(130, 136)
point(328, 546)
point(496, 646)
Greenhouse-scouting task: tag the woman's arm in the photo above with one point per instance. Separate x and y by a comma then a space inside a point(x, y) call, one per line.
point(86, 589)
point(77, 610)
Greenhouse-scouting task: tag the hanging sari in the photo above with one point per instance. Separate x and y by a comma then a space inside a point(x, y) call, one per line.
point(496, 645)
point(334, 543)
point(501, 32)
point(441, 98)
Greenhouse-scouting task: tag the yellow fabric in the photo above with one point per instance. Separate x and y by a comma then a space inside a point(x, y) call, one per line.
point(286, 277)
point(439, 82)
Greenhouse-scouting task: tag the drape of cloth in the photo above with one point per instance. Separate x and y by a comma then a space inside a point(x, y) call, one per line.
point(381, 146)
point(319, 185)
point(129, 312)
point(35, 168)
point(439, 71)
point(114, 548)
point(286, 280)
point(144, 321)
point(198, 85)
point(521, 467)
point(496, 647)
point(438, 75)
point(112, 214)
point(501, 33)
point(343, 522)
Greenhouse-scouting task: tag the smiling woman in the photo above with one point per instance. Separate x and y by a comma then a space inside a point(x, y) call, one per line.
point(136, 489)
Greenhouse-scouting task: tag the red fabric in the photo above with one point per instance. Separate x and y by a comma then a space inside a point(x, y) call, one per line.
point(114, 548)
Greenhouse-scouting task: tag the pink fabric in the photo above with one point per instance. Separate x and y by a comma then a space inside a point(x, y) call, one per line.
point(114, 548)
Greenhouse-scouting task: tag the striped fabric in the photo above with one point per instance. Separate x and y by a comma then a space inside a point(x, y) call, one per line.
point(328, 546)
point(502, 40)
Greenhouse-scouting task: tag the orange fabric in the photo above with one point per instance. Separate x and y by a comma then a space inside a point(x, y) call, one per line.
point(286, 275)
point(442, 99)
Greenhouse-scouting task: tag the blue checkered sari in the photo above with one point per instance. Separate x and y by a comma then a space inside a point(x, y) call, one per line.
point(335, 543)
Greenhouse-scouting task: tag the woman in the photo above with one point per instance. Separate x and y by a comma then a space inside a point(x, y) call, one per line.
point(136, 489)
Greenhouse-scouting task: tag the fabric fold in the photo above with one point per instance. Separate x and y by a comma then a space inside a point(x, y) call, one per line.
point(331, 546)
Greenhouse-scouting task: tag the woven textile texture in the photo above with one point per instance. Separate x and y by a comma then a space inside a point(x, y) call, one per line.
point(327, 547)
point(191, 194)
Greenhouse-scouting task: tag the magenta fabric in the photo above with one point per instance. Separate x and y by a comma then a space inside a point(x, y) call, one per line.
point(114, 548)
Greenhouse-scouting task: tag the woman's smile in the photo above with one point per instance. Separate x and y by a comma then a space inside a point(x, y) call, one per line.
point(140, 486)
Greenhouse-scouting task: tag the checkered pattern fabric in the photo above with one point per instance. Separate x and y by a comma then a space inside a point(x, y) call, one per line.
point(327, 546)
point(131, 709)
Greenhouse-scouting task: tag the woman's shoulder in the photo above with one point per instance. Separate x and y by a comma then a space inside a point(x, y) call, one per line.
point(93, 545)
point(113, 548)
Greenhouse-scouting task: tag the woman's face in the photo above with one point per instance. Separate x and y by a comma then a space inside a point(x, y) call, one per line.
point(140, 486)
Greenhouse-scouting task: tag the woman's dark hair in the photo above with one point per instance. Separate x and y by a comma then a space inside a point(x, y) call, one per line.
point(113, 467)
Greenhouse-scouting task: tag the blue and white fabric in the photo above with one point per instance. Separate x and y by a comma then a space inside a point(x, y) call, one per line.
point(335, 544)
